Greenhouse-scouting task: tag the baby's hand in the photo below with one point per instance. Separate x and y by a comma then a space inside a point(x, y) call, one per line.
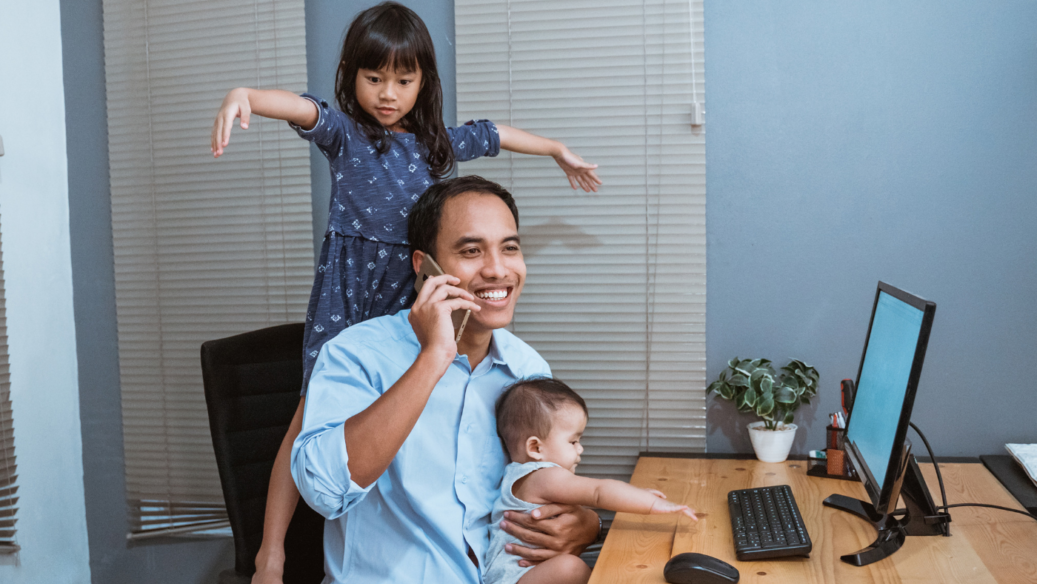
point(235, 105)
point(579, 172)
point(662, 506)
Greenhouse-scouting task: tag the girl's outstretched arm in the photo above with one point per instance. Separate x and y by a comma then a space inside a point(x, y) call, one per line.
point(581, 174)
point(269, 103)
point(558, 485)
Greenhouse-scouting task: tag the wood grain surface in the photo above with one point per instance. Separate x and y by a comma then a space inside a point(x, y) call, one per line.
point(986, 545)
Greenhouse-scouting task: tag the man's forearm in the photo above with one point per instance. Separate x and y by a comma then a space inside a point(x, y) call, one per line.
point(515, 140)
point(375, 435)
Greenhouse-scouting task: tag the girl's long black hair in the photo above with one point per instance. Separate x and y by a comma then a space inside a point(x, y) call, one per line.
point(392, 35)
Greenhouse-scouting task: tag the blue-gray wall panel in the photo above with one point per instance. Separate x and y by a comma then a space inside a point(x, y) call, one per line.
point(853, 142)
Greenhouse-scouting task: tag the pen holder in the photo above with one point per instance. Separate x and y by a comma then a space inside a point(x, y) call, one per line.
point(836, 437)
point(836, 461)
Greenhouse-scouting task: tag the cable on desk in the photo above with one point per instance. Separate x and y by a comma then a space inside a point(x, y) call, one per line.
point(943, 492)
point(939, 477)
point(1026, 513)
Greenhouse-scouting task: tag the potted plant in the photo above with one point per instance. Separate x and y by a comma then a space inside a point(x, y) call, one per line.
point(754, 386)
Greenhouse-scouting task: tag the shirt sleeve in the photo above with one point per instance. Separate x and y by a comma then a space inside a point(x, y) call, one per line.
point(331, 134)
point(474, 139)
point(339, 389)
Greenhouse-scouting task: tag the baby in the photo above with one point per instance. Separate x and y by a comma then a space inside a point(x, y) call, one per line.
point(540, 422)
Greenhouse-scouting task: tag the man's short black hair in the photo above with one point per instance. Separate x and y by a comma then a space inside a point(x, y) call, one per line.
point(423, 222)
point(525, 409)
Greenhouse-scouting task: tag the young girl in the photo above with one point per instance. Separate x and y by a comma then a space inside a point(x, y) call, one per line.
point(540, 422)
point(385, 145)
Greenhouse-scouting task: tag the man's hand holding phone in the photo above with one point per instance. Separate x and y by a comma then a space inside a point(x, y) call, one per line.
point(430, 315)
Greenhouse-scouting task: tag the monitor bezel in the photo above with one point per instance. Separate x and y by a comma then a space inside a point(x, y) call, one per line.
point(884, 497)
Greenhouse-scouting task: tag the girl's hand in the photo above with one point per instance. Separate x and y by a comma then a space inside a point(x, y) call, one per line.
point(662, 506)
point(235, 105)
point(581, 174)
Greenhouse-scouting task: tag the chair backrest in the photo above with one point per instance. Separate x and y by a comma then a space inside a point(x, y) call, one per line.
point(252, 383)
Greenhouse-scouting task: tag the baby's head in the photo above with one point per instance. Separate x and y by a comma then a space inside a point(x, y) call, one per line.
point(542, 419)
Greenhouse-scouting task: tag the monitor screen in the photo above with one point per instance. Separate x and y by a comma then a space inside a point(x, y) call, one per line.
point(883, 381)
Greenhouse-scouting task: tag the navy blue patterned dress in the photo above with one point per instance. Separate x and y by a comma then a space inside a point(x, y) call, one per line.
point(365, 266)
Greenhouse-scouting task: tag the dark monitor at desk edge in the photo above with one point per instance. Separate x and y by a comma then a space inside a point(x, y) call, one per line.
point(887, 382)
point(876, 434)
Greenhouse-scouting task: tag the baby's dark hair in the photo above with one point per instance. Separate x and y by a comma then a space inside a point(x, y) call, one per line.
point(524, 409)
point(392, 35)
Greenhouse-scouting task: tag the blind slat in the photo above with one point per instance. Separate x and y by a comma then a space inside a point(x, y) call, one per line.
point(8, 461)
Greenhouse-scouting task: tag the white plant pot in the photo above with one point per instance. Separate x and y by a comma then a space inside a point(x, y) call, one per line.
point(772, 445)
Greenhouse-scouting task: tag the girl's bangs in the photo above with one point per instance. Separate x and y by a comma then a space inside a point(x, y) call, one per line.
point(378, 52)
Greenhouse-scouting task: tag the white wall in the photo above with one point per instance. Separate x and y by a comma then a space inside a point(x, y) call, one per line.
point(38, 275)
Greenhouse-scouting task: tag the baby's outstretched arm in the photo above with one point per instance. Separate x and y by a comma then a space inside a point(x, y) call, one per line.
point(558, 485)
point(269, 103)
point(581, 174)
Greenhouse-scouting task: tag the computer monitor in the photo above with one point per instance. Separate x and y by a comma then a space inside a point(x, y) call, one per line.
point(876, 434)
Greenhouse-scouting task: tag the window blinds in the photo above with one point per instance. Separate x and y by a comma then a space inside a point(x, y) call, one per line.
point(8, 468)
point(204, 248)
point(616, 292)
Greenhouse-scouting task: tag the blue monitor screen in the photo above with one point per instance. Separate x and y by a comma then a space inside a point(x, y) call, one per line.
point(883, 382)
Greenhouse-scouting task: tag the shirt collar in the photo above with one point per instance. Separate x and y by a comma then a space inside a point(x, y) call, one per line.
point(495, 349)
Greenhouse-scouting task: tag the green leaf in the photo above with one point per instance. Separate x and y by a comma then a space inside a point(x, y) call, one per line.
point(804, 400)
point(765, 405)
point(727, 391)
point(789, 416)
point(746, 400)
point(739, 380)
point(733, 363)
point(766, 384)
point(785, 395)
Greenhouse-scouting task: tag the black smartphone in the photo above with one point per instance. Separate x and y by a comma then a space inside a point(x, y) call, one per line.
point(429, 268)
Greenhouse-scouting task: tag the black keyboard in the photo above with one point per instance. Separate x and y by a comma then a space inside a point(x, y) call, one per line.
point(767, 524)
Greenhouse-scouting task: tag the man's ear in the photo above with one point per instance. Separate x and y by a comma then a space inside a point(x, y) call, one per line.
point(416, 259)
point(533, 446)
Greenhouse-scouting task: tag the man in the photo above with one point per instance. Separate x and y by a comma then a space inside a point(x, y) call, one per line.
point(399, 428)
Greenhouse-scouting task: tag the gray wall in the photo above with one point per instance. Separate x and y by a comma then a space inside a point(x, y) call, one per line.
point(853, 142)
point(170, 560)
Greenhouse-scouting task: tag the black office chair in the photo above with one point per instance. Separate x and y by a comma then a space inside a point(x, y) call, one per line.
point(252, 391)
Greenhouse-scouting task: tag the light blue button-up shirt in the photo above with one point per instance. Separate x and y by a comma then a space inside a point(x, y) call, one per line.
point(417, 521)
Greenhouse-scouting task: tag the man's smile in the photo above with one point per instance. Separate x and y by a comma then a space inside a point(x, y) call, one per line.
point(494, 295)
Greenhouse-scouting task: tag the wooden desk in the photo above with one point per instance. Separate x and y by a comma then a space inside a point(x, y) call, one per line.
point(986, 545)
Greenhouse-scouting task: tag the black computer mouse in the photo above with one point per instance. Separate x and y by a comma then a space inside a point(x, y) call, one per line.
point(699, 569)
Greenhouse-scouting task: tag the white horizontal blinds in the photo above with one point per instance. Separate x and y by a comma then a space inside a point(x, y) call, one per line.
point(615, 296)
point(8, 468)
point(204, 248)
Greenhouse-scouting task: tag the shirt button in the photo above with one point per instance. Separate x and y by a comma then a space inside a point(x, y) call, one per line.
point(464, 479)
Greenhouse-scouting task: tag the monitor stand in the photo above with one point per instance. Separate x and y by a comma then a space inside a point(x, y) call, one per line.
point(922, 517)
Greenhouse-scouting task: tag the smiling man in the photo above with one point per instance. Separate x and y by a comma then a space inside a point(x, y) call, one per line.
point(399, 425)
